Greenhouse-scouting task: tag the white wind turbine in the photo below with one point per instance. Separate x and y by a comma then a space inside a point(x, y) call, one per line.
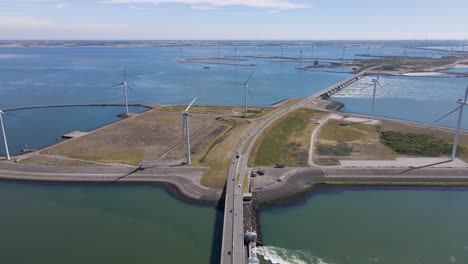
point(246, 87)
point(300, 59)
point(375, 82)
point(344, 51)
point(235, 50)
point(186, 130)
point(5, 141)
point(125, 87)
point(462, 103)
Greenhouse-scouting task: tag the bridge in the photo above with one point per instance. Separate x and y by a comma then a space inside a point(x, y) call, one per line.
point(233, 249)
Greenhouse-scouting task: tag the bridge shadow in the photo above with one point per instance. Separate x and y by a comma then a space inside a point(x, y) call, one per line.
point(217, 241)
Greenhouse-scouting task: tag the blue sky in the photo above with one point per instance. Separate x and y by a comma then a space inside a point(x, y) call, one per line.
point(233, 19)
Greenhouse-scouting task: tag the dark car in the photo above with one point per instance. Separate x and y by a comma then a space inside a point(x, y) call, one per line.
point(280, 165)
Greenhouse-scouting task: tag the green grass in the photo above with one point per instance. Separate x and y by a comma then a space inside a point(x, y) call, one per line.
point(275, 146)
point(417, 144)
point(215, 176)
point(336, 131)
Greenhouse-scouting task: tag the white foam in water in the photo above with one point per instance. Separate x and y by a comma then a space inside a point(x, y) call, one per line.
point(276, 255)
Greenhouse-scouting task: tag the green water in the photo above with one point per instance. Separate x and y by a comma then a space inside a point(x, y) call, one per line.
point(50, 223)
point(358, 226)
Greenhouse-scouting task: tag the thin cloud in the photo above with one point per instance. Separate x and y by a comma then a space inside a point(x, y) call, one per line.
point(203, 7)
point(270, 4)
point(59, 5)
point(139, 7)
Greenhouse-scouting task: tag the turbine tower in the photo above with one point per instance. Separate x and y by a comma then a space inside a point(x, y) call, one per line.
point(300, 59)
point(236, 55)
point(5, 142)
point(125, 87)
point(246, 87)
point(186, 130)
point(375, 82)
point(462, 103)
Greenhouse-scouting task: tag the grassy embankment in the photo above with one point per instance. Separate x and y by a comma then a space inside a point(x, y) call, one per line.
point(287, 140)
point(220, 152)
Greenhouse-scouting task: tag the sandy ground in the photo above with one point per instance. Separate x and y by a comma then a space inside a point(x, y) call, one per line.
point(365, 121)
point(145, 137)
point(423, 74)
point(406, 162)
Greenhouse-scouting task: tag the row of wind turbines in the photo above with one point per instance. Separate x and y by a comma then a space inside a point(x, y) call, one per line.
point(185, 114)
point(126, 87)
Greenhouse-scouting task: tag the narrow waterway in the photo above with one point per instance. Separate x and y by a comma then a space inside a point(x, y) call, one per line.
point(56, 223)
point(379, 225)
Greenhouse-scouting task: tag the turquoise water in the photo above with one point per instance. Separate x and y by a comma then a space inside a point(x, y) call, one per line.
point(421, 99)
point(359, 226)
point(56, 224)
point(38, 128)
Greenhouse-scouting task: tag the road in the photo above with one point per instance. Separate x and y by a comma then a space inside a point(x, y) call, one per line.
point(233, 228)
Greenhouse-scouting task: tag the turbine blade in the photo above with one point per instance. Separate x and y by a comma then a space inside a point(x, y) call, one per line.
point(125, 74)
point(128, 86)
point(466, 93)
point(249, 77)
point(451, 112)
point(116, 85)
point(370, 85)
point(249, 93)
point(380, 85)
point(190, 105)
point(15, 115)
point(238, 83)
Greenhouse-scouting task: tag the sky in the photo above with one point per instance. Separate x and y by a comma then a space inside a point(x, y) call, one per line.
point(233, 19)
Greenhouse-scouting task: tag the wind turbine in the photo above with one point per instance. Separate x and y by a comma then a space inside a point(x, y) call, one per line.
point(4, 136)
point(246, 87)
point(460, 109)
point(313, 49)
point(300, 59)
point(5, 142)
point(282, 52)
point(375, 82)
point(344, 50)
point(186, 130)
point(368, 50)
point(125, 87)
point(236, 55)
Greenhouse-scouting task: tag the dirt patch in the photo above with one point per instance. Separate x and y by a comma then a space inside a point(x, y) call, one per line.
point(350, 141)
point(145, 137)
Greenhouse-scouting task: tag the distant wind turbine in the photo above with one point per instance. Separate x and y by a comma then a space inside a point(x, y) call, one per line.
point(5, 141)
point(246, 87)
point(282, 52)
point(236, 55)
point(125, 87)
point(375, 82)
point(313, 50)
point(368, 50)
point(344, 50)
point(186, 130)
point(300, 59)
point(462, 103)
